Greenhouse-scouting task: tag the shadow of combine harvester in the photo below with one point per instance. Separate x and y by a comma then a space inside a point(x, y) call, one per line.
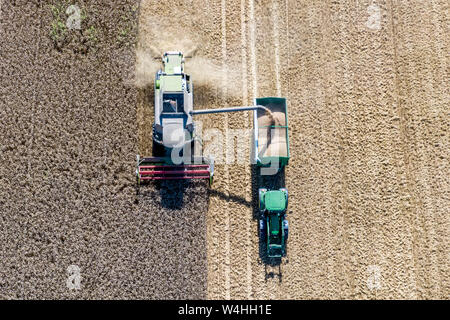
point(172, 193)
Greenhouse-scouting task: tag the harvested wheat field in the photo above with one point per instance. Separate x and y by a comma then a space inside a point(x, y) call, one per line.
point(368, 178)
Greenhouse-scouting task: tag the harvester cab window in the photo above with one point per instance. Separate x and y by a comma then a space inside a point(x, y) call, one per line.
point(173, 102)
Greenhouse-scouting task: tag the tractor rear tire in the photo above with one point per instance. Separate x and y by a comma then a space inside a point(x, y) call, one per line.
point(261, 205)
point(262, 229)
point(286, 228)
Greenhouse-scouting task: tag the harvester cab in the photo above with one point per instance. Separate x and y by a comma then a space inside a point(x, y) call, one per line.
point(273, 225)
point(173, 156)
point(173, 126)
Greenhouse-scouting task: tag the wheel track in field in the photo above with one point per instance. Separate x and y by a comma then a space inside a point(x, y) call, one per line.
point(404, 138)
point(346, 280)
point(245, 101)
point(420, 30)
point(276, 37)
point(219, 253)
point(237, 180)
point(225, 129)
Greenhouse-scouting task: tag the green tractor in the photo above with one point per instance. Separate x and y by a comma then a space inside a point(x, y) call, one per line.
point(273, 225)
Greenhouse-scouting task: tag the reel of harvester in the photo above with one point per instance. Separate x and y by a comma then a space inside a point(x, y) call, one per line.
point(161, 168)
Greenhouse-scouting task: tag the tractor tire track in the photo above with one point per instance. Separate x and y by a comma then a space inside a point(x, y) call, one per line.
point(218, 213)
point(239, 212)
point(226, 136)
point(248, 190)
point(422, 115)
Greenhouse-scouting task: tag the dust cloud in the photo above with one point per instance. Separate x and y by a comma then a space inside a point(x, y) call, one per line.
point(205, 73)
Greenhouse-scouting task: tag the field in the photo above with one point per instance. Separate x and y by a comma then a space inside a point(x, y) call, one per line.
point(368, 179)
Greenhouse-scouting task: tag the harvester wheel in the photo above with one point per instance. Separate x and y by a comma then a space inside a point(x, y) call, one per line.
point(211, 180)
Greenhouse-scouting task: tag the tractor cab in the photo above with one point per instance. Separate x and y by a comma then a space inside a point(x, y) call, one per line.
point(273, 222)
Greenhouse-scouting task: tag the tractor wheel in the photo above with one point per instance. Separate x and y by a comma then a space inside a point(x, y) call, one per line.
point(261, 201)
point(286, 228)
point(286, 192)
point(262, 229)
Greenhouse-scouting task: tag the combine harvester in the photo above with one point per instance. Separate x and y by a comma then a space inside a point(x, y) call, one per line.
point(175, 157)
